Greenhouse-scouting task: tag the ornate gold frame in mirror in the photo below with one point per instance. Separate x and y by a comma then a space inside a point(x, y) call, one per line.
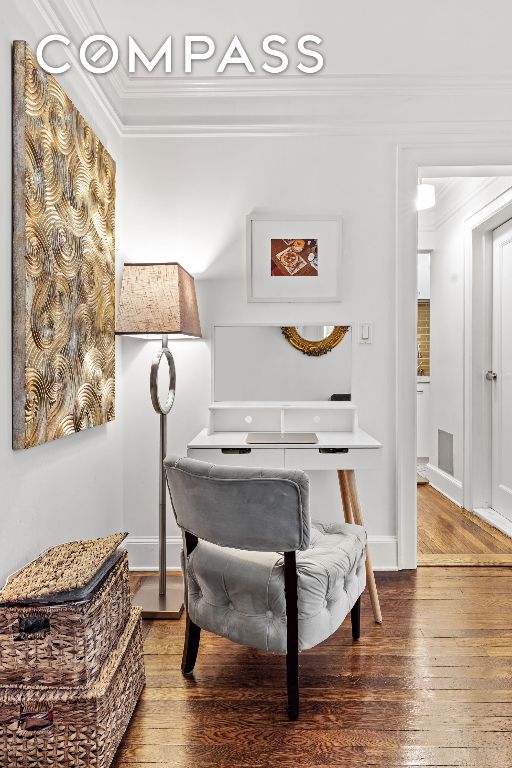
point(315, 348)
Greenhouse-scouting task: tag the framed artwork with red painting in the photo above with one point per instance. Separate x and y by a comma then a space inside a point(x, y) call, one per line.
point(280, 250)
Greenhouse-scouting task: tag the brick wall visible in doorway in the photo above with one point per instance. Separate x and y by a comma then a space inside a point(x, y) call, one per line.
point(424, 338)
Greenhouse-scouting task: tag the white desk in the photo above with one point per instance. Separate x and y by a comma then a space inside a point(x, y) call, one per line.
point(343, 452)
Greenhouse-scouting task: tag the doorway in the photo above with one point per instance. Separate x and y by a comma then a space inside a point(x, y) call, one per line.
point(464, 405)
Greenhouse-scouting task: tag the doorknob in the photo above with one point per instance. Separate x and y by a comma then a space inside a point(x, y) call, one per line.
point(491, 376)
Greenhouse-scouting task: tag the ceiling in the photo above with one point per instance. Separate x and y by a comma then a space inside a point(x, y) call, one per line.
point(361, 38)
point(452, 195)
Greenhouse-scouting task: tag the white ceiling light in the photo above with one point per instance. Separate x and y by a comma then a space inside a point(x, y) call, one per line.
point(426, 196)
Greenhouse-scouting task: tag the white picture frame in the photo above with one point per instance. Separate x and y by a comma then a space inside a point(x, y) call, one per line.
point(322, 236)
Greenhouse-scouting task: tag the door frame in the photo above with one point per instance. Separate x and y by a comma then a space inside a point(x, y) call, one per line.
point(409, 159)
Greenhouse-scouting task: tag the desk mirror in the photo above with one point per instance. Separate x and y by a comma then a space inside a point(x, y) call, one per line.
point(314, 340)
point(262, 362)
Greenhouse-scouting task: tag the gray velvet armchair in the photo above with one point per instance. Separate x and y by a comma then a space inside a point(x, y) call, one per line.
point(257, 571)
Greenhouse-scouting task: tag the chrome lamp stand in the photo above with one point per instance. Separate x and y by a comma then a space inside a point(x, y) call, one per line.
point(167, 601)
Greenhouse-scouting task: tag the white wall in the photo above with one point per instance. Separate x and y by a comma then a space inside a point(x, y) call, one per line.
point(446, 236)
point(71, 488)
point(196, 194)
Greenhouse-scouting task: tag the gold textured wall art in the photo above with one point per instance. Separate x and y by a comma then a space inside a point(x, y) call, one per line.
point(63, 263)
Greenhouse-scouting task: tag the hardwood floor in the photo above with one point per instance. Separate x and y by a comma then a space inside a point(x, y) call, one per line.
point(449, 535)
point(432, 686)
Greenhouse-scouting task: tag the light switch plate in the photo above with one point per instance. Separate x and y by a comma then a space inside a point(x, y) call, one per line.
point(365, 333)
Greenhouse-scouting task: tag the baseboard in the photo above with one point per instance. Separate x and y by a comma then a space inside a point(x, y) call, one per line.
point(445, 484)
point(384, 551)
point(484, 559)
point(494, 518)
point(143, 553)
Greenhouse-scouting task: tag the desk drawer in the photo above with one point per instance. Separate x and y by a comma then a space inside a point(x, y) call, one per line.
point(312, 458)
point(255, 457)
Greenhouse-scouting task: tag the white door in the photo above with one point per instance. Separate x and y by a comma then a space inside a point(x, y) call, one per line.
point(500, 378)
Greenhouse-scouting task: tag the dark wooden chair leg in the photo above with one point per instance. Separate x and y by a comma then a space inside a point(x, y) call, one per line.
point(192, 631)
point(292, 634)
point(191, 647)
point(355, 618)
point(292, 680)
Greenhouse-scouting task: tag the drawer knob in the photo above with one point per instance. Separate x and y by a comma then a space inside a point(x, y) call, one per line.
point(235, 451)
point(333, 450)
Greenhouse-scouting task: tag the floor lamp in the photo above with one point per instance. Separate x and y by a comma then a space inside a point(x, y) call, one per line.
point(159, 300)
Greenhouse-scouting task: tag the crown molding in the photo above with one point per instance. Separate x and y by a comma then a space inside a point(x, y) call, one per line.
point(87, 20)
point(170, 86)
point(398, 132)
point(54, 22)
point(152, 105)
point(85, 17)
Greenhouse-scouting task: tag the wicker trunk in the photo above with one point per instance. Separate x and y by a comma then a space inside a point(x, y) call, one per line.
point(64, 645)
point(55, 726)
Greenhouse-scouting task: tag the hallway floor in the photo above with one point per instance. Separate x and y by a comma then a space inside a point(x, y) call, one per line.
point(449, 535)
point(432, 687)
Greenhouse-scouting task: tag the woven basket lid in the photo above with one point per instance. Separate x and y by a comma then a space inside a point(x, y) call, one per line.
point(63, 568)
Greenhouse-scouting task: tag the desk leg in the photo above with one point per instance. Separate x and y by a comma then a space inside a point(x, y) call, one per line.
point(345, 496)
point(353, 514)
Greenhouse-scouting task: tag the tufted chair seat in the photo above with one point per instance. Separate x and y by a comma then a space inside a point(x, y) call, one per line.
point(240, 595)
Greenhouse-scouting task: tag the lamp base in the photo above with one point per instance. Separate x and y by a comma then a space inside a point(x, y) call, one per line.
point(155, 606)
